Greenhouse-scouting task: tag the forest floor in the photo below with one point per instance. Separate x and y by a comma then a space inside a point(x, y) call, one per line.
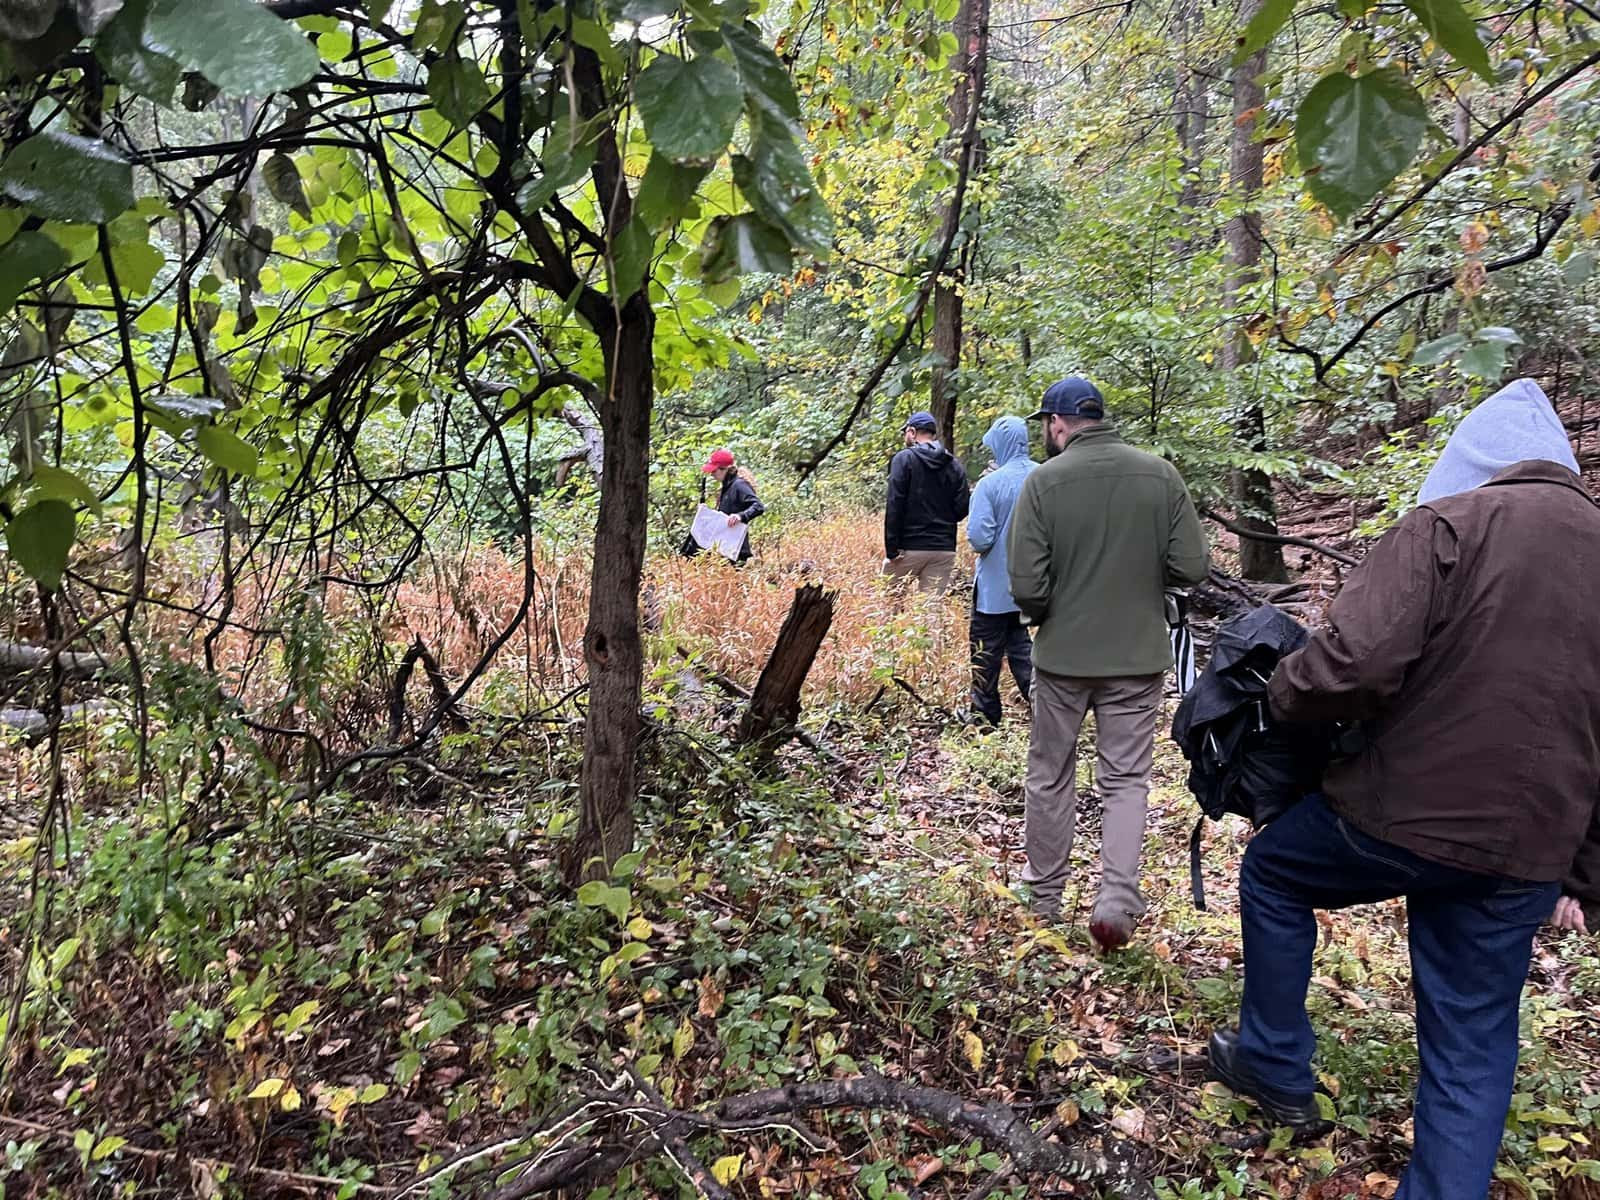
point(270, 998)
point(383, 988)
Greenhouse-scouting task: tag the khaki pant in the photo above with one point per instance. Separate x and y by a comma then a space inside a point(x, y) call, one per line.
point(1125, 712)
point(930, 568)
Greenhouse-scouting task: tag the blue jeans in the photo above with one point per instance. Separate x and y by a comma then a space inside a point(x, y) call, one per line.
point(998, 638)
point(1471, 937)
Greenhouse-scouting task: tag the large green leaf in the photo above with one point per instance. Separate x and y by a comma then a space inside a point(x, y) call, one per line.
point(690, 108)
point(1355, 135)
point(236, 44)
point(631, 249)
point(458, 89)
point(743, 244)
point(122, 50)
point(1448, 23)
point(1269, 18)
point(54, 483)
point(776, 181)
point(1484, 360)
point(24, 260)
point(228, 450)
point(666, 190)
point(40, 538)
point(68, 177)
point(1432, 353)
point(766, 83)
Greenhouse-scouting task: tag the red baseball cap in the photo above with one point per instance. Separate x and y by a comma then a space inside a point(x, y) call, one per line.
point(718, 460)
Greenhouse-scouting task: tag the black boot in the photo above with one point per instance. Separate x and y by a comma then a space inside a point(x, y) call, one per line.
point(1299, 1114)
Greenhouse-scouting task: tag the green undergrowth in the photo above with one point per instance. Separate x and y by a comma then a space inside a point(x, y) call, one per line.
point(358, 992)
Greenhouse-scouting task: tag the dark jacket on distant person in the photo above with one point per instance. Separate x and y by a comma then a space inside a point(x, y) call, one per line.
point(928, 497)
point(738, 499)
point(1468, 646)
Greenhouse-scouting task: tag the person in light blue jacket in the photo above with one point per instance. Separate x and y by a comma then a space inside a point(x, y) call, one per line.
point(997, 631)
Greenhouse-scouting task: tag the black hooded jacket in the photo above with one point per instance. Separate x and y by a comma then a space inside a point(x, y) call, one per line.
point(928, 496)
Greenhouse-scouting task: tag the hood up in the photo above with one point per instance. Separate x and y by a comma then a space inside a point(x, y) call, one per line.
point(1516, 424)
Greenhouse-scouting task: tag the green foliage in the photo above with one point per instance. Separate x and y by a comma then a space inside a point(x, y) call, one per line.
point(238, 45)
point(68, 177)
point(39, 539)
point(1356, 134)
point(690, 108)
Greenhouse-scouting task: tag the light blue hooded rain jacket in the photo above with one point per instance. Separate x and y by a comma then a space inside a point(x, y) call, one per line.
point(990, 517)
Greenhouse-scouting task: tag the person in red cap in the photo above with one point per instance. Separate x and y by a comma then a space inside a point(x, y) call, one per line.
point(737, 498)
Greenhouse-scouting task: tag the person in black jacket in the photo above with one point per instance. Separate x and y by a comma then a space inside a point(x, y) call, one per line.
point(737, 498)
point(928, 496)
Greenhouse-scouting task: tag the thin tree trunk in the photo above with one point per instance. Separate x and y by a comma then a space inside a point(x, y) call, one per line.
point(1192, 104)
point(612, 646)
point(1252, 489)
point(969, 66)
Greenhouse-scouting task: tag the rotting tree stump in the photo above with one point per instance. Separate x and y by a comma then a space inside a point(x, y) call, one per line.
point(774, 710)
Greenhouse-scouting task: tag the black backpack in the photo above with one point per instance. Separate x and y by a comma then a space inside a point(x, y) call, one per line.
point(1242, 760)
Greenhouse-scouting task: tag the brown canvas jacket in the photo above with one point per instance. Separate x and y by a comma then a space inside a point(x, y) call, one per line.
point(1468, 646)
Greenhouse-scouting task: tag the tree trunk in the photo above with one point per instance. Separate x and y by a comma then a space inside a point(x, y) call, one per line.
point(969, 66)
point(1252, 489)
point(612, 646)
point(775, 704)
point(1192, 112)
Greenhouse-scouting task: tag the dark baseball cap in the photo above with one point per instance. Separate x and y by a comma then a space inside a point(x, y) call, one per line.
point(1072, 397)
point(923, 421)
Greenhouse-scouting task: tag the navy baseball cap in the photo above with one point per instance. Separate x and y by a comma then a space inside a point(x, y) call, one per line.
point(1072, 397)
point(923, 421)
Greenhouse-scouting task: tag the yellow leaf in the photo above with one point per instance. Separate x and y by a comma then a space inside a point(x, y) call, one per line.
point(74, 1058)
point(683, 1039)
point(338, 1102)
point(290, 1100)
point(1066, 1053)
point(108, 1147)
point(1067, 1111)
point(1551, 1144)
point(725, 1170)
point(372, 1093)
point(266, 1089)
point(639, 929)
point(972, 1047)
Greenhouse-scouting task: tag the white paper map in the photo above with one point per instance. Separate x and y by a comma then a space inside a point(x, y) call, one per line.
point(711, 528)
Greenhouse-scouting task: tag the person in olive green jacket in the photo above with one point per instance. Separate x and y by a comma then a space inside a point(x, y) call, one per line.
point(1099, 532)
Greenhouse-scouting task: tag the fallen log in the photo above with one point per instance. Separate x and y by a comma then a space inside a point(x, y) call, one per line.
point(18, 658)
point(1281, 539)
point(33, 724)
point(593, 1138)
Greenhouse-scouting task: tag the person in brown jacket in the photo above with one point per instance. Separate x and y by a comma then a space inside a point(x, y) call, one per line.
point(1463, 657)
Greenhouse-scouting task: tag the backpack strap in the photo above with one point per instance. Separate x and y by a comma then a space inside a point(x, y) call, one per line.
point(1197, 883)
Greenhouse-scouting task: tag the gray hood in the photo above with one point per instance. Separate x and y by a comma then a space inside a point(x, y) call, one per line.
point(1516, 424)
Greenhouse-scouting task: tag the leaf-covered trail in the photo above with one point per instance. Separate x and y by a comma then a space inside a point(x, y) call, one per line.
point(1141, 1017)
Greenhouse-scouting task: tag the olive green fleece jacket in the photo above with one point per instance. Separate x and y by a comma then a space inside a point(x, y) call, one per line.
point(1099, 532)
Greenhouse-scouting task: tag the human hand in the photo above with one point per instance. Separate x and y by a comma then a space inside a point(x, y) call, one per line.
point(1569, 915)
point(733, 520)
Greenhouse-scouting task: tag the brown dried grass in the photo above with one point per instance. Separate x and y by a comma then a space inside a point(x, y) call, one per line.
point(725, 617)
point(729, 618)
